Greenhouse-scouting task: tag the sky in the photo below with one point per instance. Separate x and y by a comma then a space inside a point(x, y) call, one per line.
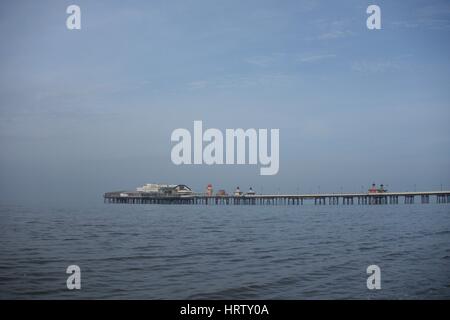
point(83, 112)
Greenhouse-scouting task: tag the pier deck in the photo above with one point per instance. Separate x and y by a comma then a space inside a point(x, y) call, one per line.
point(279, 199)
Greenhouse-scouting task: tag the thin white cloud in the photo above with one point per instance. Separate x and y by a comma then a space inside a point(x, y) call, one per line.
point(244, 81)
point(316, 58)
point(375, 66)
point(267, 60)
point(199, 84)
point(431, 16)
point(261, 61)
point(277, 79)
point(335, 34)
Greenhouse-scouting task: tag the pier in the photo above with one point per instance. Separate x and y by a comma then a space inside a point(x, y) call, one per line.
point(387, 198)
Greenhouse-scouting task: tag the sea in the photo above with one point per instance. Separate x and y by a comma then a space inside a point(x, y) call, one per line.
point(136, 251)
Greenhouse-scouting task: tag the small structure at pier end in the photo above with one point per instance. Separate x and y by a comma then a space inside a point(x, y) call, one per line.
point(238, 192)
point(374, 189)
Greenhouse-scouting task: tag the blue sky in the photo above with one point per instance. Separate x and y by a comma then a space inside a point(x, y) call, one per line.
point(88, 111)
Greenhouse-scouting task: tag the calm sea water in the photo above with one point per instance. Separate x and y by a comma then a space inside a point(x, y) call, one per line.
point(225, 252)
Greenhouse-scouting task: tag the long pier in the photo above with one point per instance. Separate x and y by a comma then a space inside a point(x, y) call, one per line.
point(287, 199)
